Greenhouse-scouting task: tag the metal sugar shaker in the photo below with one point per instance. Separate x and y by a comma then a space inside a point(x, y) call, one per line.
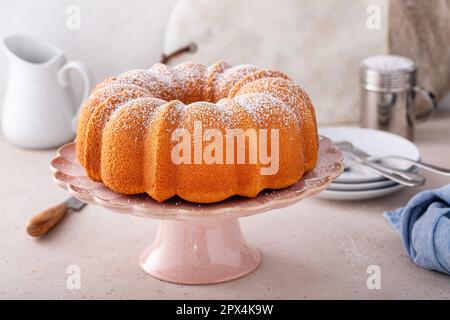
point(388, 95)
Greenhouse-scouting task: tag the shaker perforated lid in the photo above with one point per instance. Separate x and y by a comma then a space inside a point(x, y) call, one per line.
point(388, 73)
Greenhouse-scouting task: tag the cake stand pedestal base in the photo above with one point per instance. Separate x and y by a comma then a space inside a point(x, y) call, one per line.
point(196, 243)
point(199, 251)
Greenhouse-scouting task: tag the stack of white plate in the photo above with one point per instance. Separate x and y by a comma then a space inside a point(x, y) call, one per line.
point(359, 182)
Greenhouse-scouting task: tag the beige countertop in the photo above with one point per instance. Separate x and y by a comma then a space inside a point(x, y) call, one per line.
point(314, 249)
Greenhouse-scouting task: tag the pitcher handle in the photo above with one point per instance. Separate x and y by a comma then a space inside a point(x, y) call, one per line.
point(431, 97)
point(63, 76)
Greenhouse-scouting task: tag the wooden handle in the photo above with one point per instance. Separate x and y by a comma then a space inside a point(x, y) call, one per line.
point(43, 222)
point(165, 58)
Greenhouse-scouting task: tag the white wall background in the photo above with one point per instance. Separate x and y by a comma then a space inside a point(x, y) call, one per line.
point(114, 35)
point(318, 43)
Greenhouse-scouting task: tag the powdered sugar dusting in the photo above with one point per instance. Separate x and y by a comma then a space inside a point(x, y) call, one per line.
point(284, 90)
point(143, 111)
point(265, 109)
point(191, 81)
point(147, 81)
point(231, 76)
point(113, 89)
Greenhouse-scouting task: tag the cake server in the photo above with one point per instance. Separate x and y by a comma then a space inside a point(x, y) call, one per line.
point(46, 220)
point(403, 177)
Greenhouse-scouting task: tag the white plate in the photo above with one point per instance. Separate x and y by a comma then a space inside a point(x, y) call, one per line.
point(376, 143)
point(361, 186)
point(359, 195)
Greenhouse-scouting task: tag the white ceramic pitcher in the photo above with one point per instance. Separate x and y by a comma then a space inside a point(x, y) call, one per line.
point(38, 109)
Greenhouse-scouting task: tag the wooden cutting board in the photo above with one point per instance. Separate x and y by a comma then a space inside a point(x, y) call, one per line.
point(420, 29)
point(318, 43)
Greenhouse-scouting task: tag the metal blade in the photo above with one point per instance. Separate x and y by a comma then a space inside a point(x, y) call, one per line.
point(75, 204)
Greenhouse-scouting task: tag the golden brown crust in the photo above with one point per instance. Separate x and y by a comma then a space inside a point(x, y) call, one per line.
point(123, 162)
point(293, 96)
point(125, 129)
point(191, 81)
point(101, 92)
point(96, 124)
point(230, 77)
point(213, 75)
point(161, 174)
point(255, 76)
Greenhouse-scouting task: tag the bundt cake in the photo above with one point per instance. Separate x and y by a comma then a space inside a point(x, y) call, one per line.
point(137, 132)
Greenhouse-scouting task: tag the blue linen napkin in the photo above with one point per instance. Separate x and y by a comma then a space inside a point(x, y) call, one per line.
point(424, 225)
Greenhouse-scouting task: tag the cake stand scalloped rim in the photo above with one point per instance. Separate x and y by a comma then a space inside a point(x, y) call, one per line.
point(234, 207)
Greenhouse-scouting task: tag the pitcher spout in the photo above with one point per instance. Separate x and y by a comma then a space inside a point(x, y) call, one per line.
point(38, 108)
point(30, 50)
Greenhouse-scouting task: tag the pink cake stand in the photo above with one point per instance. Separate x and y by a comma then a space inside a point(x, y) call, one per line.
point(196, 244)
